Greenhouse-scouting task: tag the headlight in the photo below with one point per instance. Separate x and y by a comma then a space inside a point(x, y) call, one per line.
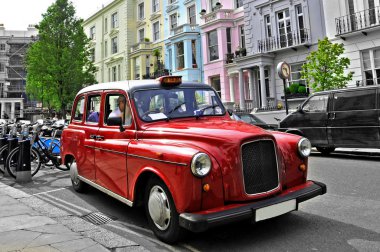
point(200, 165)
point(304, 147)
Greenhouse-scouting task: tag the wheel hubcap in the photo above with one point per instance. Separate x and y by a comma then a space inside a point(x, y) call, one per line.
point(74, 173)
point(159, 207)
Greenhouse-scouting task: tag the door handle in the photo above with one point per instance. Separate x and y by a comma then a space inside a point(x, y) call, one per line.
point(100, 138)
point(92, 136)
point(332, 116)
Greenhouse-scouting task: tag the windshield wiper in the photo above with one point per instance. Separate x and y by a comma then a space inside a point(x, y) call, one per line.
point(175, 108)
point(200, 112)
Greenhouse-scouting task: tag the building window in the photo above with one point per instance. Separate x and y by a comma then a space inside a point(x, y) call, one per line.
point(156, 31)
point(213, 45)
point(106, 48)
point(191, 14)
point(300, 24)
point(172, 1)
point(119, 72)
point(155, 5)
point(173, 20)
point(284, 28)
point(194, 53)
point(141, 35)
point(295, 76)
point(213, 5)
point(2, 47)
point(105, 25)
point(114, 21)
point(140, 11)
point(268, 26)
point(92, 33)
point(2, 67)
point(137, 68)
point(92, 54)
point(114, 45)
point(229, 42)
point(215, 84)
point(180, 56)
point(238, 3)
point(371, 66)
point(242, 36)
point(114, 73)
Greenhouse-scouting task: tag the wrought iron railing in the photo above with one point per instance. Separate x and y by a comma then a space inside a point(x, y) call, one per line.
point(358, 21)
point(287, 40)
point(156, 74)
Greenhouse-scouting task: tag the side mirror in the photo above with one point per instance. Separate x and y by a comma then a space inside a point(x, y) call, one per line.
point(116, 121)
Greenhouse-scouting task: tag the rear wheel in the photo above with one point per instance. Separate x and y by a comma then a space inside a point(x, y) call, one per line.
point(325, 150)
point(161, 212)
point(78, 185)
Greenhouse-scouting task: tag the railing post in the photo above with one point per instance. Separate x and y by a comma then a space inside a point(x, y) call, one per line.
point(23, 169)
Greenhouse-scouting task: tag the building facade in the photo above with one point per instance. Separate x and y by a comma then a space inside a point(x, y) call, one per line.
point(14, 102)
point(356, 24)
point(183, 52)
point(222, 31)
point(275, 31)
point(112, 31)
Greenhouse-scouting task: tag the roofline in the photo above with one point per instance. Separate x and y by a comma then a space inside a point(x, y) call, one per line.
point(104, 9)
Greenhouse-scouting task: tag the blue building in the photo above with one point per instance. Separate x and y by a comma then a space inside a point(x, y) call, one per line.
point(183, 52)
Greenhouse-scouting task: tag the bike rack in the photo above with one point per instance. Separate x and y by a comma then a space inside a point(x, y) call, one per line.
point(23, 168)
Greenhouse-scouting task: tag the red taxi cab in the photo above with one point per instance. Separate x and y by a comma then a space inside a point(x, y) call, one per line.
point(173, 148)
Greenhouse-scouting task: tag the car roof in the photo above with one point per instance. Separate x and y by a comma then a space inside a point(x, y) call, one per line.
point(347, 89)
point(133, 85)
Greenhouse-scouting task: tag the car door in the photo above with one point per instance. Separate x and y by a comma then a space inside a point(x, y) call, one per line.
point(312, 119)
point(111, 147)
point(353, 119)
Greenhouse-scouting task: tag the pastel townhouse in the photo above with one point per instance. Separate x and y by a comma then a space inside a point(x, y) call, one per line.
point(183, 55)
point(222, 31)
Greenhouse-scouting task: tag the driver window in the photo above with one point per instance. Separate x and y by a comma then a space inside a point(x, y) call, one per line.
point(316, 104)
point(117, 105)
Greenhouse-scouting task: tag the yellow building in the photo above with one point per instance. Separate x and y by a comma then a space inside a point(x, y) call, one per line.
point(112, 31)
point(146, 53)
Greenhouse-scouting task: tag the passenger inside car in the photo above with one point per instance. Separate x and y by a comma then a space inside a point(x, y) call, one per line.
point(121, 109)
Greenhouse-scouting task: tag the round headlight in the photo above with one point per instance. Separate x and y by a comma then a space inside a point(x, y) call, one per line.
point(200, 165)
point(304, 147)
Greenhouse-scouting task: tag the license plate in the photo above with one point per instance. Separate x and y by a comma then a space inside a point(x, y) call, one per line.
point(275, 210)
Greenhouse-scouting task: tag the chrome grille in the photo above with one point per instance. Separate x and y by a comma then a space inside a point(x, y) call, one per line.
point(259, 166)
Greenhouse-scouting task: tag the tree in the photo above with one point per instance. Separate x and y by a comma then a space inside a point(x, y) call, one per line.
point(58, 64)
point(324, 69)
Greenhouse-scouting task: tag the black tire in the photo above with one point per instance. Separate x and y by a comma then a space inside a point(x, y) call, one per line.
point(12, 160)
point(161, 212)
point(3, 157)
point(78, 185)
point(325, 150)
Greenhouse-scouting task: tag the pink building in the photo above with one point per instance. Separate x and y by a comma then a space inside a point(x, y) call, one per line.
point(223, 39)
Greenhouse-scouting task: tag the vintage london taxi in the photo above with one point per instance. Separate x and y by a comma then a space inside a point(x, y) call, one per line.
point(172, 147)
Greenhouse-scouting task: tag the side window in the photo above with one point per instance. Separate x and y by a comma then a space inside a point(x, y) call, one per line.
point(317, 103)
point(117, 105)
point(355, 100)
point(79, 109)
point(93, 109)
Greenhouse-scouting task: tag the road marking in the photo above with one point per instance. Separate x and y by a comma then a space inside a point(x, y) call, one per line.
point(60, 189)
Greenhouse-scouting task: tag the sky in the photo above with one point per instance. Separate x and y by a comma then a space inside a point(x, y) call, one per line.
point(18, 14)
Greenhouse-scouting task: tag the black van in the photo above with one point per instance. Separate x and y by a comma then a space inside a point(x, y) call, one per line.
point(348, 118)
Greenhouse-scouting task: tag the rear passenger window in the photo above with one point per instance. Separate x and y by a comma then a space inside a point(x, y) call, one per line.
point(316, 103)
point(93, 109)
point(355, 100)
point(79, 109)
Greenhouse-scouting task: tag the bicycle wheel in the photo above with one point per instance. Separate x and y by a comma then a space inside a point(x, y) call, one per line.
point(12, 160)
point(3, 157)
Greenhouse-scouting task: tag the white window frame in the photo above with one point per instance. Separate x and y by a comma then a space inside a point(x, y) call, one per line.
point(114, 41)
point(156, 34)
point(268, 26)
point(194, 17)
point(175, 17)
point(92, 32)
point(214, 45)
point(180, 57)
point(141, 38)
point(284, 21)
point(105, 25)
point(241, 36)
point(237, 3)
point(2, 47)
point(155, 6)
point(114, 20)
point(141, 11)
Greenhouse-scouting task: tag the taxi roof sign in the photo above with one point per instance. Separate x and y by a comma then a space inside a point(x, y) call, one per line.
point(170, 80)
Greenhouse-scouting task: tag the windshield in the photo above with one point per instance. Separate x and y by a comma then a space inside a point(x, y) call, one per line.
point(158, 104)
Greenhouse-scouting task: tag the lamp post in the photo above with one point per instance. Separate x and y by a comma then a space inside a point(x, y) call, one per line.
point(283, 70)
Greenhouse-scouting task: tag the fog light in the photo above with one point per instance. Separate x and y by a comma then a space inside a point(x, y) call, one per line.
point(206, 187)
point(302, 167)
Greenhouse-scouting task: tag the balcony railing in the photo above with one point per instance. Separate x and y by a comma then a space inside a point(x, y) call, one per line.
point(141, 46)
point(156, 74)
point(16, 89)
point(358, 21)
point(184, 28)
point(287, 40)
point(217, 15)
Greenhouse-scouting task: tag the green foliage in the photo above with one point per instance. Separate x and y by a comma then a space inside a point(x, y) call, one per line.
point(324, 69)
point(287, 90)
point(58, 64)
point(146, 39)
point(294, 88)
point(156, 53)
point(302, 89)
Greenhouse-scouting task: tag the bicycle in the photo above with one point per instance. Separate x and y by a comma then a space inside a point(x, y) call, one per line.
point(41, 153)
point(12, 133)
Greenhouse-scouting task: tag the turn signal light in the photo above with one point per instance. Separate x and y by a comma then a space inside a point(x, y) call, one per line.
point(206, 187)
point(302, 167)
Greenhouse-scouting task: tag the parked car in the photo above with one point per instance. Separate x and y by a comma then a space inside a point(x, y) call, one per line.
point(348, 118)
point(173, 148)
point(252, 119)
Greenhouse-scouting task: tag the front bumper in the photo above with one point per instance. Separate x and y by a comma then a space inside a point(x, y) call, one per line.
point(201, 222)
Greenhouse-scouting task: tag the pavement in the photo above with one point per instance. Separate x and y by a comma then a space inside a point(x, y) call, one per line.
point(30, 224)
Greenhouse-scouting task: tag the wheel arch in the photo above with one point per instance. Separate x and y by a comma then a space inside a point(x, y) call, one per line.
point(297, 132)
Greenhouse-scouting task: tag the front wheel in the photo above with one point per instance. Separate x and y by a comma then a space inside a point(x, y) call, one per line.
point(78, 185)
point(161, 212)
point(325, 150)
point(12, 160)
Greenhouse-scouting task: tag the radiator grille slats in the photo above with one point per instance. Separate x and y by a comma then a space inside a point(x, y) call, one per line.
point(259, 166)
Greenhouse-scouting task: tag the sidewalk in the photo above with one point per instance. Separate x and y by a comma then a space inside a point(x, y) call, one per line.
point(29, 224)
